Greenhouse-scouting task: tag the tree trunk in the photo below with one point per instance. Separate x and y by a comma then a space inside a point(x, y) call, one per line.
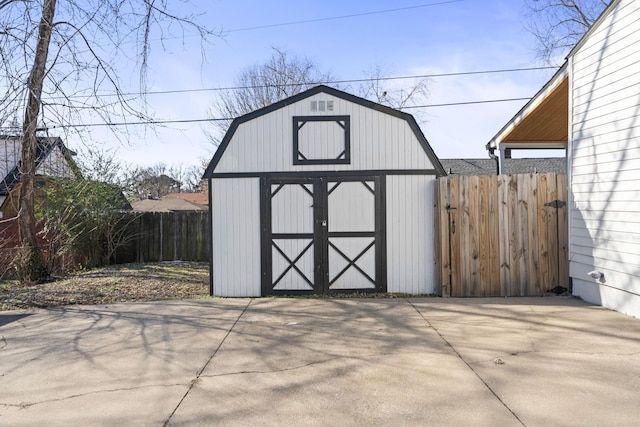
point(31, 266)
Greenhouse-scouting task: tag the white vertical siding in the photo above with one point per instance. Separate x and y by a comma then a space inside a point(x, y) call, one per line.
point(379, 141)
point(351, 207)
point(605, 162)
point(236, 237)
point(55, 165)
point(410, 241)
point(10, 151)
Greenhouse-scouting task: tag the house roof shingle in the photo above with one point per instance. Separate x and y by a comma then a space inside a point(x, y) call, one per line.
point(201, 198)
point(166, 205)
point(513, 166)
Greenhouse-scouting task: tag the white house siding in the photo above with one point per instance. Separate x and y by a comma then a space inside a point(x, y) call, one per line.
point(410, 241)
point(236, 236)
point(379, 141)
point(605, 161)
point(55, 164)
point(10, 152)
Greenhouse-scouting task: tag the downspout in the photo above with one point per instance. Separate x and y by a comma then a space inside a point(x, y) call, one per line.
point(494, 158)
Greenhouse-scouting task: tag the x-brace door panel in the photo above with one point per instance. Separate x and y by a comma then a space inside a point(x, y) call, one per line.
point(323, 235)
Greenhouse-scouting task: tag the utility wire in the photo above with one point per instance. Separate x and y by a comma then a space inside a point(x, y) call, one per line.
point(327, 82)
point(159, 122)
point(333, 18)
point(450, 104)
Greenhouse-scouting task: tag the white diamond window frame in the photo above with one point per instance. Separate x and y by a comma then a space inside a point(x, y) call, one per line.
point(343, 157)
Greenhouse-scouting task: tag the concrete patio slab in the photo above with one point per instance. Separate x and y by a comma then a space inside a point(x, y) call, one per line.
point(279, 361)
point(337, 362)
point(552, 361)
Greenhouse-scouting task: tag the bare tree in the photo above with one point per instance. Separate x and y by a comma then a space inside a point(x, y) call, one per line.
point(151, 182)
point(280, 77)
point(558, 25)
point(56, 61)
point(158, 180)
point(377, 86)
point(284, 75)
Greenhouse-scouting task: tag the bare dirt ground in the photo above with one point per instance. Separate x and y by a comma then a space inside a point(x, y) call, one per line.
point(117, 283)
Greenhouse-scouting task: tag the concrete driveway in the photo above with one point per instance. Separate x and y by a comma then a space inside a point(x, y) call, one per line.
point(253, 362)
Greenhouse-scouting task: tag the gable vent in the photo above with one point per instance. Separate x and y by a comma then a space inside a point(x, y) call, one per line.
point(321, 105)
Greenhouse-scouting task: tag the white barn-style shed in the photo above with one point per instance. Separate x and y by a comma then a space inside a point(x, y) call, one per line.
point(322, 192)
point(592, 107)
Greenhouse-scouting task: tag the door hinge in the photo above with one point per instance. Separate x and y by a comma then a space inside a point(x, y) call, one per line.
point(556, 204)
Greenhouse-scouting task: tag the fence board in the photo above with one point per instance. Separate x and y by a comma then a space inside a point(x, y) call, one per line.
point(484, 248)
point(440, 258)
point(471, 212)
point(563, 242)
point(552, 220)
point(533, 258)
point(543, 232)
point(463, 233)
point(494, 237)
point(499, 237)
point(456, 288)
point(503, 237)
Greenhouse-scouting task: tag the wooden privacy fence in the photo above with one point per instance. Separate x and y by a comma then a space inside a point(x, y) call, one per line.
point(167, 236)
point(502, 235)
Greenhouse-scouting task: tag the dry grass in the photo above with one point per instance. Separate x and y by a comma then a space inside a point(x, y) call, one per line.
point(117, 283)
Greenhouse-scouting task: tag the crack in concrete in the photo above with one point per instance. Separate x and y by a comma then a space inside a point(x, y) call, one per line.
point(275, 371)
point(23, 405)
point(466, 363)
point(4, 342)
point(306, 365)
point(199, 374)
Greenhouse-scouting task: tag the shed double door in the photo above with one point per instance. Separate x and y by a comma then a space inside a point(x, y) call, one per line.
point(323, 235)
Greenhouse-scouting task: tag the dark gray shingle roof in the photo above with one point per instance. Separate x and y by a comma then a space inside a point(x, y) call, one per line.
point(513, 166)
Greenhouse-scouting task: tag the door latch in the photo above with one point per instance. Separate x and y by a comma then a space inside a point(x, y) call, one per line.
point(324, 222)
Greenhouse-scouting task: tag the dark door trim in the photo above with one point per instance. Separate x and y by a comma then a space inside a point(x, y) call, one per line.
point(321, 281)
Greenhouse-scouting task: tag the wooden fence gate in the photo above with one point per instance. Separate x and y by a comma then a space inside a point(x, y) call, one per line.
point(503, 235)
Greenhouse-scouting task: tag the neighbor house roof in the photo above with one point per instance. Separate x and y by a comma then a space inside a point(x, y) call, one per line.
point(201, 198)
point(11, 153)
point(513, 166)
point(166, 204)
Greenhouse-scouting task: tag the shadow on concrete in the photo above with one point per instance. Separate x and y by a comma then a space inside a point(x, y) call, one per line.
point(6, 318)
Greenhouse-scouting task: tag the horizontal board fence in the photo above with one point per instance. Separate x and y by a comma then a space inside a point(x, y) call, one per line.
point(166, 236)
point(504, 235)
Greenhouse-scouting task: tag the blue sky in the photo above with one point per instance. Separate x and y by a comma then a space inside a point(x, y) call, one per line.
point(429, 37)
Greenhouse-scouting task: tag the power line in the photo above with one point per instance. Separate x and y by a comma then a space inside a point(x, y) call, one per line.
point(326, 82)
point(160, 122)
point(450, 104)
point(148, 122)
point(333, 18)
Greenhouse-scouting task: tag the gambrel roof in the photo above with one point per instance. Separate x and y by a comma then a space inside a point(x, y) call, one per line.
point(347, 104)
